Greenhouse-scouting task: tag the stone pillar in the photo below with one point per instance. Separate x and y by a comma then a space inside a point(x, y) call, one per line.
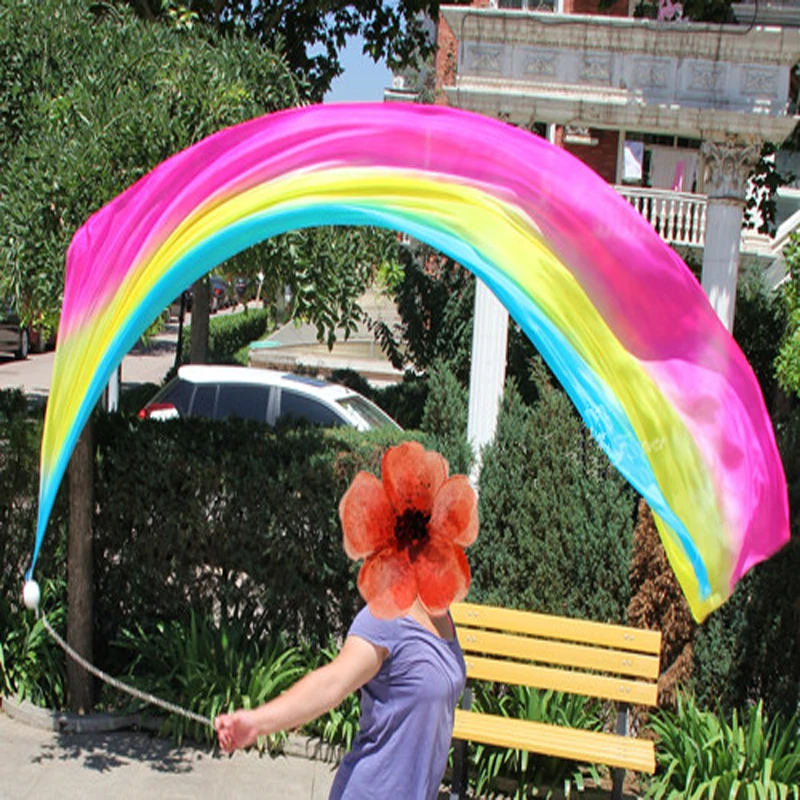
point(728, 166)
point(487, 369)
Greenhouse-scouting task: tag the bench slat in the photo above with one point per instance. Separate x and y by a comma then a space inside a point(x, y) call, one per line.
point(623, 690)
point(547, 651)
point(550, 627)
point(582, 746)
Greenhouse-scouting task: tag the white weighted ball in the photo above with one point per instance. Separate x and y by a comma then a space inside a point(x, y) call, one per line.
point(31, 595)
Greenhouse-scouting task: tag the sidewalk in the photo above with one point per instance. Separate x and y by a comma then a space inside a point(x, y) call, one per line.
point(124, 765)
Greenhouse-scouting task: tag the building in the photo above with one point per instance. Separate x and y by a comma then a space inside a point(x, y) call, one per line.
point(673, 113)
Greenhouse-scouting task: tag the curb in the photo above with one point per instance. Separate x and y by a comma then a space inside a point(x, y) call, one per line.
point(63, 722)
point(26, 713)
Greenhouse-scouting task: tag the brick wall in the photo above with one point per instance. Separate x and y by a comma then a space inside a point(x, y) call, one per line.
point(446, 60)
point(602, 157)
point(619, 8)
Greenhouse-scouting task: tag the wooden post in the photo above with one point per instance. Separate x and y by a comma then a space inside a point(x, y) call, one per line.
point(198, 354)
point(80, 580)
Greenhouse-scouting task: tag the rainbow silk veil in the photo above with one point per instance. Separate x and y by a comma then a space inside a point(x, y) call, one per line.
point(615, 313)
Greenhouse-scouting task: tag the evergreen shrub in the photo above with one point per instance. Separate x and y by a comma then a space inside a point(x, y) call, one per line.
point(556, 518)
point(445, 418)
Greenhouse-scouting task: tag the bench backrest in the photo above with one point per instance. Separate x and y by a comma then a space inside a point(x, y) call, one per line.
point(593, 659)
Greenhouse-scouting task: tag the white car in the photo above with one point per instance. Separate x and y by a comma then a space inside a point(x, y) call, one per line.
point(264, 395)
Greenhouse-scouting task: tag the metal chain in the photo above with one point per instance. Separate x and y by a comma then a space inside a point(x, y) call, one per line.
point(123, 687)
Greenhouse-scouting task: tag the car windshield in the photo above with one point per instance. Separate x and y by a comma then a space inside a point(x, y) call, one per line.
point(368, 413)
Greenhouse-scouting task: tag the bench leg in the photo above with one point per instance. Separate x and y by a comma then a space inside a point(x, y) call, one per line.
point(458, 789)
point(622, 730)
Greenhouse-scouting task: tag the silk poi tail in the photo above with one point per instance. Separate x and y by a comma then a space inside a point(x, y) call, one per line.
point(615, 313)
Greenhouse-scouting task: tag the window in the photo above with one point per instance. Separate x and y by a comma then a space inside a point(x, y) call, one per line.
point(204, 400)
point(242, 400)
point(370, 415)
point(300, 407)
point(180, 395)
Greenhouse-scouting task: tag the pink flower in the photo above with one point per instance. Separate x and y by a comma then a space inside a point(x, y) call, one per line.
point(410, 529)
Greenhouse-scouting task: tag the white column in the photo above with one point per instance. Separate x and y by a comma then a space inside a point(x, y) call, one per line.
point(111, 399)
point(487, 369)
point(728, 166)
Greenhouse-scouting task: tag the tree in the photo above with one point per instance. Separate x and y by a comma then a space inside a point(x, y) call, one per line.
point(657, 603)
point(91, 104)
point(326, 269)
point(556, 518)
point(435, 300)
point(313, 34)
point(787, 364)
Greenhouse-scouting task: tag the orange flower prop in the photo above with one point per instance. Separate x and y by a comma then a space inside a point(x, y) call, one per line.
point(410, 528)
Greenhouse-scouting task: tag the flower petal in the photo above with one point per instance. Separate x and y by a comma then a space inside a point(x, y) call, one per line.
point(455, 512)
point(442, 575)
point(412, 476)
point(367, 516)
point(388, 583)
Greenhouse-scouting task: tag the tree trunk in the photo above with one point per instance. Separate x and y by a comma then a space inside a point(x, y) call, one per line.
point(200, 315)
point(80, 585)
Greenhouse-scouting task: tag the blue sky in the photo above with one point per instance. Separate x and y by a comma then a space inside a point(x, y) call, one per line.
point(363, 80)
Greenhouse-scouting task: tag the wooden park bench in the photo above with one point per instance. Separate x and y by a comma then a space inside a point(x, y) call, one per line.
point(591, 659)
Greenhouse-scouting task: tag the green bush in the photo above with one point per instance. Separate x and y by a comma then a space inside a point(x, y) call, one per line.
point(32, 665)
point(203, 514)
point(749, 650)
point(556, 518)
point(20, 440)
point(229, 333)
point(209, 667)
point(445, 418)
point(404, 402)
point(702, 755)
point(527, 771)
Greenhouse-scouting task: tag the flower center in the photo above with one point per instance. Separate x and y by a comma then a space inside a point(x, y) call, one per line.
point(411, 529)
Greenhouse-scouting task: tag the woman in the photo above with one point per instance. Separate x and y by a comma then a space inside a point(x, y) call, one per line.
point(401, 650)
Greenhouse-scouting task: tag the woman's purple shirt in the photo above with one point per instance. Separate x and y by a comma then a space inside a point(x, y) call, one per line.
point(406, 713)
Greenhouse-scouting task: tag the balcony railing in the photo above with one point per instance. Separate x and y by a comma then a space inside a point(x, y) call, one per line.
point(678, 217)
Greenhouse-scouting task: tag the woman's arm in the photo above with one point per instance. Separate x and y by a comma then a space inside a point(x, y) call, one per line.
point(313, 695)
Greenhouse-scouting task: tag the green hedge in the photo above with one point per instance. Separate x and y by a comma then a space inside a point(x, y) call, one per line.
point(219, 517)
point(227, 518)
point(556, 518)
point(229, 333)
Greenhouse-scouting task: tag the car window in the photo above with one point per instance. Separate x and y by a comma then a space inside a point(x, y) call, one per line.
point(243, 401)
point(204, 401)
point(300, 407)
point(179, 393)
point(369, 415)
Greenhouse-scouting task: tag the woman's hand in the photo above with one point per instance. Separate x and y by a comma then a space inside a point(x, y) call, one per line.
point(236, 730)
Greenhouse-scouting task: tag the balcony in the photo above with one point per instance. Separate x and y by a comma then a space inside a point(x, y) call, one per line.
point(680, 219)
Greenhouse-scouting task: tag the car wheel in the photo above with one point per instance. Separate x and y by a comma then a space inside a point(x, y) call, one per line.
point(24, 345)
point(39, 343)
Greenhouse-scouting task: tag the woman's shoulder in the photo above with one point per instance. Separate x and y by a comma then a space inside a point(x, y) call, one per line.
point(383, 632)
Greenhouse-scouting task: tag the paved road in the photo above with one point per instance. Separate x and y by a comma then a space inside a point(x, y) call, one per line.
point(126, 765)
point(142, 365)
